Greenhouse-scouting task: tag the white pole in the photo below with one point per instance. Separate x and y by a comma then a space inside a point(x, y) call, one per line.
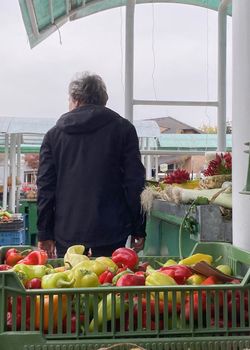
point(129, 60)
point(18, 173)
point(13, 172)
point(241, 120)
point(222, 74)
point(6, 172)
point(148, 161)
point(156, 168)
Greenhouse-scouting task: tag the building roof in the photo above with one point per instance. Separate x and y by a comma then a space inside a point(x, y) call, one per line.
point(169, 125)
point(43, 17)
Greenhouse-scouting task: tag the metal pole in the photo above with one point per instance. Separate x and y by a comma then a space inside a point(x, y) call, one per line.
point(6, 172)
point(156, 167)
point(13, 172)
point(129, 59)
point(18, 173)
point(148, 161)
point(222, 74)
point(241, 130)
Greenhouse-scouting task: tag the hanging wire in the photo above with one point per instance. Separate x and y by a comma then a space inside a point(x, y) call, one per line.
point(153, 50)
point(121, 48)
point(59, 33)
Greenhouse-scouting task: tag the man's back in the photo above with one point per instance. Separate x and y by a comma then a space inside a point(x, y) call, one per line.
point(94, 157)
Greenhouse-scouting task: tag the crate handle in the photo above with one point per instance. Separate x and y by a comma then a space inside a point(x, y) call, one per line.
point(246, 278)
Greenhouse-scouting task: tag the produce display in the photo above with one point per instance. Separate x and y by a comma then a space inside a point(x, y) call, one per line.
point(5, 216)
point(177, 187)
point(122, 293)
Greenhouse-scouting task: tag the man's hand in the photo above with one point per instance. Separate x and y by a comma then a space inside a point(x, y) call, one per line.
point(50, 248)
point(137, 243)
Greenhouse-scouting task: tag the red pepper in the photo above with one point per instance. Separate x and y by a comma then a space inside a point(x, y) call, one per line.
point(210, 280)
point(5, 267)
point(34, 283)
point(143, 266)
point(152, 306)
point(123, 271)
point(36, 257)
point(152, 323)
point(140, 273)
point(125, 257)
point(130, 279)
point(73, 323)
point(155, 310)
point(178, 272)
point(13, 255)
point(18, 312)
point(106, 277)
point(195, 306)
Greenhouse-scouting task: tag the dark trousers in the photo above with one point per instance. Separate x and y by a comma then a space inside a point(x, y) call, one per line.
point(106, 250)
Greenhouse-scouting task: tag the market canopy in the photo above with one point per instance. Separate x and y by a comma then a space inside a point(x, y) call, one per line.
point(32, 130)
point(43, 17)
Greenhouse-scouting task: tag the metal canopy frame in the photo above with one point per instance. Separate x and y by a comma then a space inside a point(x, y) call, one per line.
point(42, 18)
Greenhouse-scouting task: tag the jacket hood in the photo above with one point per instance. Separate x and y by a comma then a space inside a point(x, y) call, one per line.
point(85, 119)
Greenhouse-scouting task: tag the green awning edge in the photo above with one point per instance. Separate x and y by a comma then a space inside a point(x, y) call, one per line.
point(46, 25)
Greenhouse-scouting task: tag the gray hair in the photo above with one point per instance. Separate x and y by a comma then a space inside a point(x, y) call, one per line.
point(88, 89)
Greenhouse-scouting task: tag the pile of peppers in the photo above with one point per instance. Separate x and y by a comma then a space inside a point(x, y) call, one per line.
point(122, 269)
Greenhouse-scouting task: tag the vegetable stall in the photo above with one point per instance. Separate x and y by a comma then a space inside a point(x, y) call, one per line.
point(183, 211)
point(199, 302)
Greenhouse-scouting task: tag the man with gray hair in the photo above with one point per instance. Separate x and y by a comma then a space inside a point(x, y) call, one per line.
point(90, 176)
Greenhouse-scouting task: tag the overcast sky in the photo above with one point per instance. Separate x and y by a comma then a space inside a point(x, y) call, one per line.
point(175, 51)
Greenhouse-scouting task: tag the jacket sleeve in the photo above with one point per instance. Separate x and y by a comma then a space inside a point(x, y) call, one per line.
point(134, 180)
point(46, 186)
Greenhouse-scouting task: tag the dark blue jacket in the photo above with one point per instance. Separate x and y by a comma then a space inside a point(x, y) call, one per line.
point(90, 179)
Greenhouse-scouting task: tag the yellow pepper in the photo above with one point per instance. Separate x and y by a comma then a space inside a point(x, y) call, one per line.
point(149, 270)
point(91, 265)
point(170, 262)
point(109, 263)
point(194, 259)
point(161, 279)
point(195, 280)
point(74, 255)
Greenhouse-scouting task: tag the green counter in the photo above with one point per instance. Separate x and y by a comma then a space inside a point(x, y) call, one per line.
point(29, 207)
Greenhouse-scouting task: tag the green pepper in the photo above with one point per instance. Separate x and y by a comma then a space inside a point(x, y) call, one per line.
point(85, 279)
point(109, 310)
point(57, 280)
point(28, 272)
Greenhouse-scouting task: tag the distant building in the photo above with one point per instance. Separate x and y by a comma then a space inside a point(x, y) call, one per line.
point(169, 125)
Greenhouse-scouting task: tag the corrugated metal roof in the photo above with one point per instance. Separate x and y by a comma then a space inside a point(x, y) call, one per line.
point(43, 17)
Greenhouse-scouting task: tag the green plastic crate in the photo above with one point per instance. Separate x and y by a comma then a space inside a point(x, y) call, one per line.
point(218, 326)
